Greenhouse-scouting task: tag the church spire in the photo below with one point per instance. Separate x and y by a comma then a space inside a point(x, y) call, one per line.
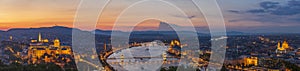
point(278, 45)
point(10, 38)
point(285, 44)
point(282, 46)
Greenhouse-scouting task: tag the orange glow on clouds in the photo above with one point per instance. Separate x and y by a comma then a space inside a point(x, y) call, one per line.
point(47, 13)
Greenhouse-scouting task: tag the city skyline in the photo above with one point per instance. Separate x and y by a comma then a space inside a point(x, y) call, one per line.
point(147, 35)
point(244, 16)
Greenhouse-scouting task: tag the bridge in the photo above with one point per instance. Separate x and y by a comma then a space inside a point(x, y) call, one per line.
point(146, 57)
point(107, 54)
point(120, 60)
point(105, 66)
point(104, 57)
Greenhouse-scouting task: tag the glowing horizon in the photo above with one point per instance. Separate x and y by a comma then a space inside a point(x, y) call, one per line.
point(241, 15)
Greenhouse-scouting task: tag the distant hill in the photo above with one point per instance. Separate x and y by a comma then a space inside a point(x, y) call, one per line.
point(63, 33)
point(163, 26)
point(236, 33)
point(105, 32)
point(164, 29)
point(57, 29)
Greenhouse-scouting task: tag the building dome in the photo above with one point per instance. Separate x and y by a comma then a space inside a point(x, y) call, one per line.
point(56, 40)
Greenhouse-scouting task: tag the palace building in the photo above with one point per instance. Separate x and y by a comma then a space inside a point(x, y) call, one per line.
point(42, 50)
point(40, 39)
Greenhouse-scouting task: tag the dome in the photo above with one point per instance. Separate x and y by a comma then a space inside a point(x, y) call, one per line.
point(56, 40)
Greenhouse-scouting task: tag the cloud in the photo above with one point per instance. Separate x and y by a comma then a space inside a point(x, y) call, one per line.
point(291, 8)
point(275, 8)
point(272, 12)
point(189, 17)
point(234, 11)
point(269, 4)
point(256, 11)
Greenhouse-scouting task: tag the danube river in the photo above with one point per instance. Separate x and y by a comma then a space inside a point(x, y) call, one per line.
point(149, 56)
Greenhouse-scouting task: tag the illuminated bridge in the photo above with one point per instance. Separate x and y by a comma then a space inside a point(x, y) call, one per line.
point(148, 53)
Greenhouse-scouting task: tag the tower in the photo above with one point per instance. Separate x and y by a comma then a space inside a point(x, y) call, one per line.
point(105, 48)
point(56, 43)
point(278, 45)
point(175, 42)
point(10, 38)
point(40, 37)
point(285, 45)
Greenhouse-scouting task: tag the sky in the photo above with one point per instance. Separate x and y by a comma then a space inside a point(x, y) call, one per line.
point(253, 16)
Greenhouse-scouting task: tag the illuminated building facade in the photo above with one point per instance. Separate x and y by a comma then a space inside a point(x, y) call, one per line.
point(43, 51)
point(175, 48)
point(251, 61)
point(40, 40)
point(282, 48)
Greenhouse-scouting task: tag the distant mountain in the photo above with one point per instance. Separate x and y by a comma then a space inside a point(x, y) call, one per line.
point(43, 29)
point(63, 33)
point(235, 33)
point(1, 32)
point(105, 32)
point(164, 29)
point(57, 29)
point(163, 26)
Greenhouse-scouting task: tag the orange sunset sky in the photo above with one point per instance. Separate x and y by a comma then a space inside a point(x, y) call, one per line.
point(47, 13)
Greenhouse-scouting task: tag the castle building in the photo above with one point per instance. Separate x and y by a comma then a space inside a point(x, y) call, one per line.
point(42, 50)
point(40, 39)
